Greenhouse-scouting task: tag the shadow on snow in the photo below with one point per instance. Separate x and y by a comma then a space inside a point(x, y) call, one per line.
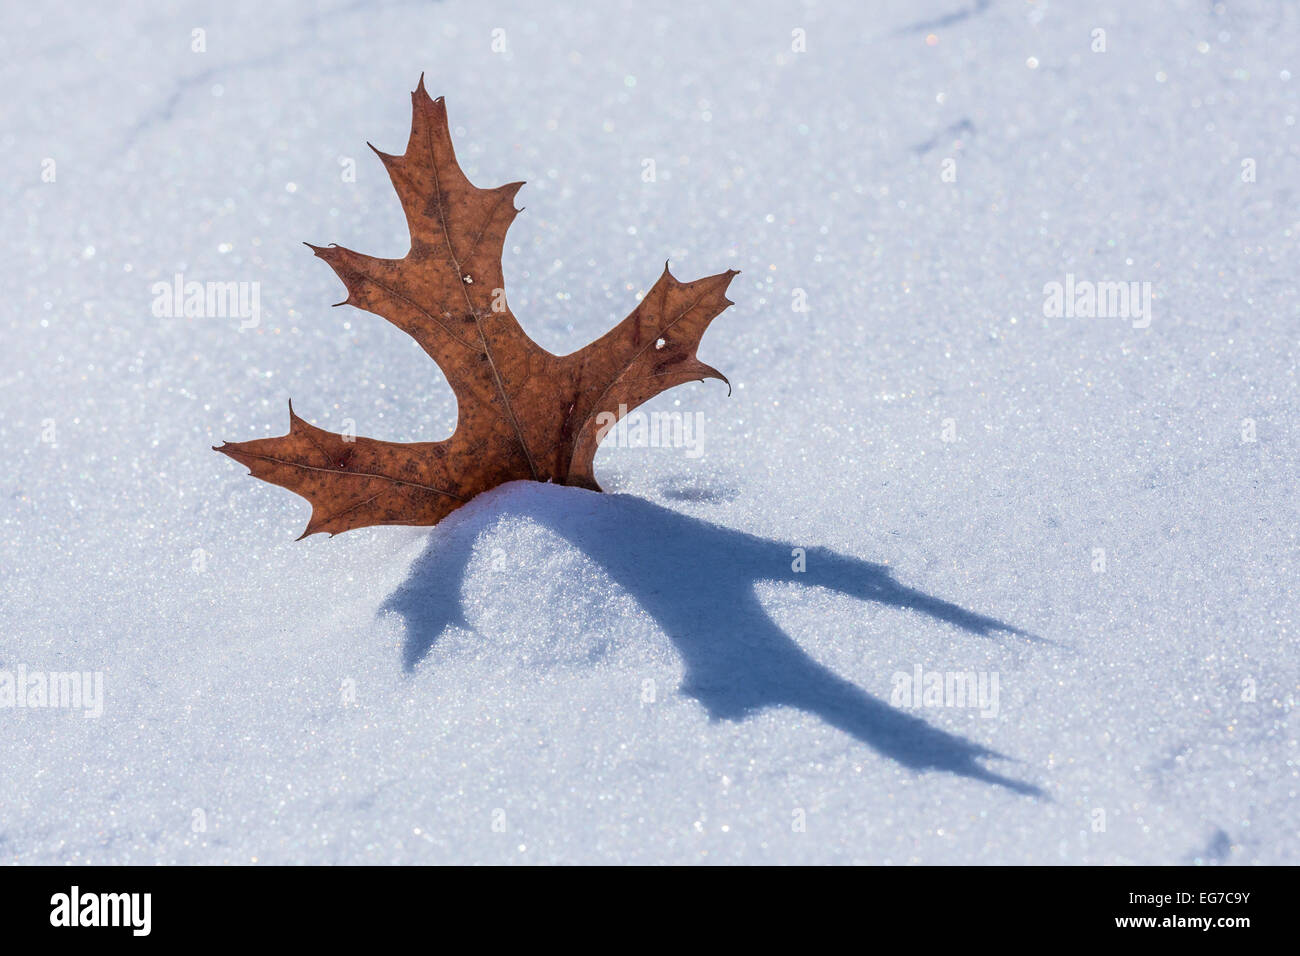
point(697, 580)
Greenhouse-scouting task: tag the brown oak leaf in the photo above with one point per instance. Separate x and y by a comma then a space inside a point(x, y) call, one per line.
point(523, 413)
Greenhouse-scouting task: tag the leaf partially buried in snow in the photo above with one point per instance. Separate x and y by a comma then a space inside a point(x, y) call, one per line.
point(523, 412)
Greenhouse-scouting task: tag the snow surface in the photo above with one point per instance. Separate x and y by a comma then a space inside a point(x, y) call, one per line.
point(553, 675)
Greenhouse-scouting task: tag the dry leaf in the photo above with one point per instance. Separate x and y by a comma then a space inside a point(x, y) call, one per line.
point(523, 412)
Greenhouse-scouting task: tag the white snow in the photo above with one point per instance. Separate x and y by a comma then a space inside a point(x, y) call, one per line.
point(553, 675)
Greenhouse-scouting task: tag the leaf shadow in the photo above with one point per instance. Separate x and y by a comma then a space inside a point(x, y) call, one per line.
point(697, 580)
